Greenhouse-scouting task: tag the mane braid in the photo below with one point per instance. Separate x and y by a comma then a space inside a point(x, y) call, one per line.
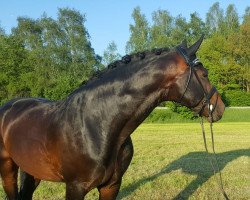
point(125, 60)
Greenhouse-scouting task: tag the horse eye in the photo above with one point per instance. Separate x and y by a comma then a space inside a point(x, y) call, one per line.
point(205, 75)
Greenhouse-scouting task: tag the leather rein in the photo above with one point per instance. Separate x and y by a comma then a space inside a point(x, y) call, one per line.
point(206, 102)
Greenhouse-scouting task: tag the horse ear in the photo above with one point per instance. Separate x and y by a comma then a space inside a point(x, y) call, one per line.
point(184, 44)
point(193, 49)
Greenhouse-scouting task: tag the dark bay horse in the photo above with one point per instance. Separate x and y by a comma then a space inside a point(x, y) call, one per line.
point(84, 140)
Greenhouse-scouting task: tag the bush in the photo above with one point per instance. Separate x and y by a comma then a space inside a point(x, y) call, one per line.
point(230, 98)
point(236, 98)
point(166, 116)
point(183, 111)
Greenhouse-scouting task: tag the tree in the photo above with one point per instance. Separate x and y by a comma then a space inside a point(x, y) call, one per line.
point(231, 19)
point(1, 31)
point(217, 55)
point(160, 32)
point(59, 53)
point(241, 47)
point(110, 54)
point(54, 43)
point(77, 38)
point(29, 31)
point(246, 15)
point(12, 67)
point(196, 27)
point(180, 30)
point(215, 19)
point(139, 38)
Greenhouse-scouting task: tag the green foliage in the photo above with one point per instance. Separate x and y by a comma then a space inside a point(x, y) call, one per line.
point(225, 51)
point(12, 66)
point(46, 57)
point(236, 98)
point(169, 116)
point(183, 111)
point(110, 54)
point(246, 15)
point(196, 27)
point(215, 19)
point(215, 54)
point(180, 30)
point(231, 19)
point(139, 38)
point(1, 31)
point(160, 32)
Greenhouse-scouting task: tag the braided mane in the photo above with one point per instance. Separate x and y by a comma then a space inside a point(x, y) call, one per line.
point(126, 60)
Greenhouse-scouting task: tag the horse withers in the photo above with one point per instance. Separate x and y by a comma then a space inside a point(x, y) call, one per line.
point(84, 140)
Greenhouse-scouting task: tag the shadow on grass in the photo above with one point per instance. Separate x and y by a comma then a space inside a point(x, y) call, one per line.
point(194, 163)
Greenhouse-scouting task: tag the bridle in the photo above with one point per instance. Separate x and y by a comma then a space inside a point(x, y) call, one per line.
point(206, 95)
point(206, 102)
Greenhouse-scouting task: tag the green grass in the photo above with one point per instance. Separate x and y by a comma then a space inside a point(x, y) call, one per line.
point(170, 161)
point(167, 116)
point(236, 115)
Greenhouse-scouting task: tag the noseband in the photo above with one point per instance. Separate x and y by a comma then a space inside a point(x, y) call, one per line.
point(207, 95)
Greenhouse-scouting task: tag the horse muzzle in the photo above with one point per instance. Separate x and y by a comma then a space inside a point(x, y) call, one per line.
point(212, 109)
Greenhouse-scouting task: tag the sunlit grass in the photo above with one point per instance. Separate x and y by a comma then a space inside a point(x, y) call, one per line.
point(167, 116)
point(169, 162)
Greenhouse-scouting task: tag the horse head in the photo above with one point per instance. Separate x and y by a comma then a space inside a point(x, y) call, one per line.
point(192, 87)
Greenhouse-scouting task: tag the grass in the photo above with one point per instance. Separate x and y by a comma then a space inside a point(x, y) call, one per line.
point(170, 162)
point(167, 116)
point(236, 115)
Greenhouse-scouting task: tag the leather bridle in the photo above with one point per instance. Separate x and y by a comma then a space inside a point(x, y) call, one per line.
point(206, 102)
point(207, 95)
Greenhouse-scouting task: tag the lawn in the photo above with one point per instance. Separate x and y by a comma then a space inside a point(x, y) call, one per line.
point(163, 115)
point(170, 163)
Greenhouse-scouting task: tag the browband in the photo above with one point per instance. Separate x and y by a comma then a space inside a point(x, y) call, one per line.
point(184, 54)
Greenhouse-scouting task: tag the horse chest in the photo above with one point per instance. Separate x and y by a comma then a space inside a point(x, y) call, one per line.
point(83, 163)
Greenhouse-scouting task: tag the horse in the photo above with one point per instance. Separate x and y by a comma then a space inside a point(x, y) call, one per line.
point(84, 139)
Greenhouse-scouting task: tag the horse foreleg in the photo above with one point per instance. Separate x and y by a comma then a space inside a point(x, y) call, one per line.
point(75, 191)
point(110, 190)
point(28, 186)
point(8, 171)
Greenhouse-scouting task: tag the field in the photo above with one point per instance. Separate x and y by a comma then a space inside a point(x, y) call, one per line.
point(170, 163)
point(161, 115)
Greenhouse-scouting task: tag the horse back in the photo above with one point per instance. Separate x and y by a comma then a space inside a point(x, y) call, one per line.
point(24, 129)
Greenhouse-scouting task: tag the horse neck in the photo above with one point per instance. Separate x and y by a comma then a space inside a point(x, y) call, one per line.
point(119, 101)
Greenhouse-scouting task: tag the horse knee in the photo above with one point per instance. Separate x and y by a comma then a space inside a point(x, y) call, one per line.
point(123, 160)
point(109, 192)
point(75, 191)
point(127, 152)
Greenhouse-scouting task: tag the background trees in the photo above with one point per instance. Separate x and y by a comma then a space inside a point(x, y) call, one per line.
point(139, 31)
point(48, 57)
point(110, 54)
point(225, 51)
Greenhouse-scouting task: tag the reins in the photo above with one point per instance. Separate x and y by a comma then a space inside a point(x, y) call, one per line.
point(216, 168)
point(205, 103)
